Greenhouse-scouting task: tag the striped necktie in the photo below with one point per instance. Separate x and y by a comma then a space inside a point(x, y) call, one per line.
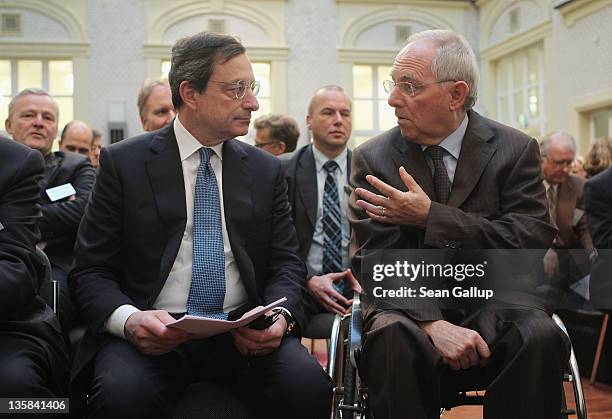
point(441, 181)
point(207, 291)
point(332, 224)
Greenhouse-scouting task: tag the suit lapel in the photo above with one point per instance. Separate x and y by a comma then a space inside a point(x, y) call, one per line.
point(237, 207)
point(51, 175)
point(473, 158)
point(410, 156)
point(566, 201)
point(306, 184)
point(168, 186)
point(236, 190)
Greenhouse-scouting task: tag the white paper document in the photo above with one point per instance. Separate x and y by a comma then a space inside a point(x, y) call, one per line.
point(203, 327)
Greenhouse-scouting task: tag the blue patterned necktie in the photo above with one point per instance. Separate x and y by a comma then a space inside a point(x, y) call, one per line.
point(207, 291)
point(332, 224)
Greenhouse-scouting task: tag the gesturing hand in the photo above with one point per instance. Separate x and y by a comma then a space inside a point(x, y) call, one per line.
point(322, 288)
point(148, 332)
point(460, 348)
point(395, 206)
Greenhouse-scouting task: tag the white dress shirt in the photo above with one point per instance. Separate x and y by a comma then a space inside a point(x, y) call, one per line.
point(314, 260)
point(174, 294)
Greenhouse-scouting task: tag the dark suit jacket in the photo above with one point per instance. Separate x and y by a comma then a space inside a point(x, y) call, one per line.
point(301, 176)
point(570, 198)
point(598, 202)
point(497, 199)
point(132, 228)
point(21, 270)
point(60, 219)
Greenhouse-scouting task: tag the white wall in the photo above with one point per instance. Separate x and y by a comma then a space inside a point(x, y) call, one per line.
point(116, 31)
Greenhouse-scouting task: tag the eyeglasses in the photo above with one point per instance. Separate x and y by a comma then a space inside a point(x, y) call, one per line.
point(260, 145)
point(408, 87)
point(239, 88)
point(562, 162)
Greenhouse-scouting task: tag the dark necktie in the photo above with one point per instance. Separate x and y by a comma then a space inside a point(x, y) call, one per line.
point(441, 181)
point(332, 222)
point(207, 291)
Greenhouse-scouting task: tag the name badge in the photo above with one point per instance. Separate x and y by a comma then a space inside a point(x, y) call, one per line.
point(60, 192)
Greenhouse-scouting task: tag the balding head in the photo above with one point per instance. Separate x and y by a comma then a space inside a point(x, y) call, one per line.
point(77, 137)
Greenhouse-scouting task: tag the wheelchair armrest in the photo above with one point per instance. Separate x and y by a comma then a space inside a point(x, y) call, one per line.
point(355, 335)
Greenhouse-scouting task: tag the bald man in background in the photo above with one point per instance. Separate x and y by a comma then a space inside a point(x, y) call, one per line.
point(155, 104)
point(77, 137)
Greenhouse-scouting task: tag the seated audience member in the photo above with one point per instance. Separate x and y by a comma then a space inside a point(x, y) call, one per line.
point(155, 104)
point(599, 156)
point(190, 220)
point(76, 137)
point(94, 153)
point(564, 195)
point(448, 178)
point(32, 121)
point(276, 133)
point(317, 176)
point(33, 357)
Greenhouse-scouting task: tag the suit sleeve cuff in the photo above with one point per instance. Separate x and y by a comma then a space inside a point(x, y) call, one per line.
point(115, 324)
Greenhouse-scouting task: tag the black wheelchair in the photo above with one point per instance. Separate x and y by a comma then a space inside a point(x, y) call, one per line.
point(350, 399)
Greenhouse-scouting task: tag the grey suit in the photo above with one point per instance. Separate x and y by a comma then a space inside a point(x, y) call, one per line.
point(497, 201)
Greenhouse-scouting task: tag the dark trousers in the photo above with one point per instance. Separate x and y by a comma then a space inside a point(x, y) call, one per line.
point(286, 383)
point(407, 377)
point(29, 368)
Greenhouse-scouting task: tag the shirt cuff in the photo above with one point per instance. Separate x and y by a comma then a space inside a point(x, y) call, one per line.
point(115, 324)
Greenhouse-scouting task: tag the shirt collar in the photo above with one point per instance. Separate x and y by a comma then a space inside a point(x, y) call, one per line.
point(452, 143)
point(188, 144)
point(321, 159)
point(548, 186)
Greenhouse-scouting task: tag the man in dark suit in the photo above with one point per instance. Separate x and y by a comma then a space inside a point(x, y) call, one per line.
point(32, 120)
point(190, 220)
point(564, 195)
point(32, 351)
point(447, 178)
point(77, 137)
point(598, 203)
point(319, 200)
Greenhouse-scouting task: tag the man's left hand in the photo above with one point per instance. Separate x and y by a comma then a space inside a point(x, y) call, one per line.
point(395, 206)
point(251, 342)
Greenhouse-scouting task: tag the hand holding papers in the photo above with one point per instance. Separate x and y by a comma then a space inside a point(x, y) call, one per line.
point(203, 327)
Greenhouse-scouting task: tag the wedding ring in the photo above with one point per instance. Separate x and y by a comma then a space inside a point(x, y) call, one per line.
point(383, 211)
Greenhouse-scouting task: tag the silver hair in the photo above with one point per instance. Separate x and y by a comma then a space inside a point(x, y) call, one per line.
point(27, 92)
point(564, 137)
point(454, 60)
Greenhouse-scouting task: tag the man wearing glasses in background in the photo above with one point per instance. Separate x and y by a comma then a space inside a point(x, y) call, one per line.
point(564, 195)
point(188, 219)
point(276, 133)
point(155, 104)
point(447, 178)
